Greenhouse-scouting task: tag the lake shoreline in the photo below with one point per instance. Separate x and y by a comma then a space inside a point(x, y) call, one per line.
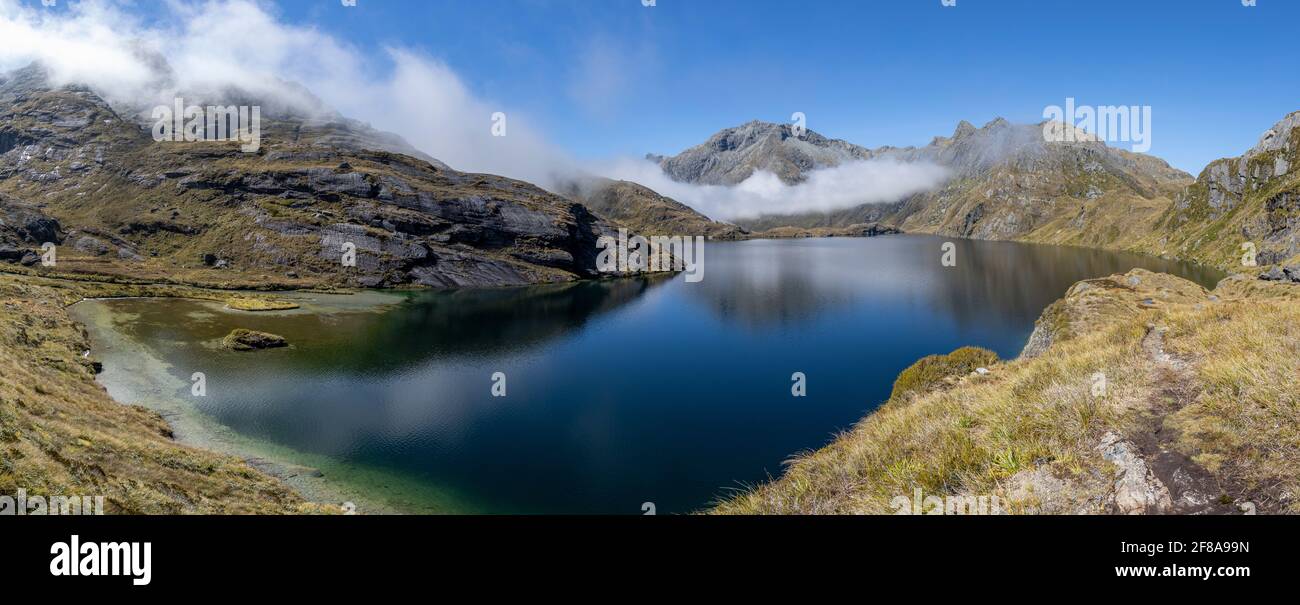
point(135, 375)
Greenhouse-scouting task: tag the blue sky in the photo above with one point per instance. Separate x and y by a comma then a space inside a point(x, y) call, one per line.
point(592, 80)
point(611, 77)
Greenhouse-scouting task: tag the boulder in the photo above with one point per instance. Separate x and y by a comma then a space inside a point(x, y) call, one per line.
point(1292, 272)
point(1274, 274)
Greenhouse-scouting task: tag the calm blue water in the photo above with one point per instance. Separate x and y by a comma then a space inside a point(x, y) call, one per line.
point(625, 391)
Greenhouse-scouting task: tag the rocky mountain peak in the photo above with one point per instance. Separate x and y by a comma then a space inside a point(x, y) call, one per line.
point(997, 123)
point(1278, 137)
point(733, 154)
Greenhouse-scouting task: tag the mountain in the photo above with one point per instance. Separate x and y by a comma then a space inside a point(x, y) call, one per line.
point(644, 211)
point(1251, 198)
point(732, 155)
point(1007, 182)
point(207, 213)
point(1011, 183)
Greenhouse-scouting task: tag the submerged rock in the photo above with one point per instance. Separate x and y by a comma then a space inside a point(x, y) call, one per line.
point(251, 340)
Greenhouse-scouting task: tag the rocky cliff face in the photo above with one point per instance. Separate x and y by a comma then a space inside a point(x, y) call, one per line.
point(22, 228)
point(1253, 198)
point(208, 213)
point(733, 155)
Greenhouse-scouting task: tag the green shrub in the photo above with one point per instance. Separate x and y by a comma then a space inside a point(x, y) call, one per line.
point(932, 370)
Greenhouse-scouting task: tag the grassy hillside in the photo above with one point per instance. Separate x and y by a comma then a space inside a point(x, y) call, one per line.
point(1149, 394)
point(61, 434)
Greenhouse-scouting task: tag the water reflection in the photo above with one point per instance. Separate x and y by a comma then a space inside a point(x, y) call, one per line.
point(622, 391)
point(768, 283)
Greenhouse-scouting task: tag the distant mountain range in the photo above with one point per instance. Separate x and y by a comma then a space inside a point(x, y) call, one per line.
point(78, 171)
point(1009, 182)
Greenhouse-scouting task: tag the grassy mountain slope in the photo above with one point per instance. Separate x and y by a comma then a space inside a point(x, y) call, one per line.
point(1197, 413)
point(1011, 184)
point(61, 434)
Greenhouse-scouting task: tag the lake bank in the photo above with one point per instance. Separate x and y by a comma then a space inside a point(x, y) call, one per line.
point(136, 375)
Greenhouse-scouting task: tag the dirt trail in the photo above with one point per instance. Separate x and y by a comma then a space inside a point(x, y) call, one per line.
point(1191, 489)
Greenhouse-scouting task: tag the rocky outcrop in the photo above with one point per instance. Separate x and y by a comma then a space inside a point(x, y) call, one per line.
point(1137, 491)
point(1289, 273)
point(1092, 303)
point(1253, 200)
point(23, 230)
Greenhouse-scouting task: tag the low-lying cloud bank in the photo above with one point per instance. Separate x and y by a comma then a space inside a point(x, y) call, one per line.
point(827, 189)
point(211, 45)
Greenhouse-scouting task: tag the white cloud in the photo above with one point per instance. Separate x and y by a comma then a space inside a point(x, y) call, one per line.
point(218, 43)
point(212, 44)
point(833, 188)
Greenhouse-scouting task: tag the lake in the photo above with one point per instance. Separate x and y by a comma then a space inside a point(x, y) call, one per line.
point(617, 392)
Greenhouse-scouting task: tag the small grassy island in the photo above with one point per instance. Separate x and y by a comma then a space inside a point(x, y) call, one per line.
point(251, 340)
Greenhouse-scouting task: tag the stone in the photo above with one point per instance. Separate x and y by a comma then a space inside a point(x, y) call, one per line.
point(1273, 274)
point(1292, 272)
point(1137, 490)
